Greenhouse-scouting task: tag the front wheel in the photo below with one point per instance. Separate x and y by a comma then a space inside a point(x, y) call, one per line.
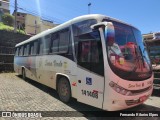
point(64, 90)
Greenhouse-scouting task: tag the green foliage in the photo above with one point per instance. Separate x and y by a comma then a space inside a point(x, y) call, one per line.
point(5, 27)
point(9, 28)
point(8, 19)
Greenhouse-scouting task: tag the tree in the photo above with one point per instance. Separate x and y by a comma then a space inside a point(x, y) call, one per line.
point(8, 19)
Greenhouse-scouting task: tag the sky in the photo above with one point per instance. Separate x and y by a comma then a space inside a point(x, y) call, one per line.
point(143, 14)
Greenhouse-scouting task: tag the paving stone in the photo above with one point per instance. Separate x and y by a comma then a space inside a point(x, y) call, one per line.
point(19, 95)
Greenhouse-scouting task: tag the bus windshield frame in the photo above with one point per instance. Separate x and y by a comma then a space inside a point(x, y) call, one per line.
point(126, 52)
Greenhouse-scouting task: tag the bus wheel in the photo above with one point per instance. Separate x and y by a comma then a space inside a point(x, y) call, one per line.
point(23, 74)
point(64, 90)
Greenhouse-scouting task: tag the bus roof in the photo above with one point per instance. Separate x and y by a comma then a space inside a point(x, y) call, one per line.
point(97, 17)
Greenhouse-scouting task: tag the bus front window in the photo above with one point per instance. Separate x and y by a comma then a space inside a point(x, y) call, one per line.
point(127, 55)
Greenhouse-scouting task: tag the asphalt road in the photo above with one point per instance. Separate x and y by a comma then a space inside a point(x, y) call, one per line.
point(19, 95)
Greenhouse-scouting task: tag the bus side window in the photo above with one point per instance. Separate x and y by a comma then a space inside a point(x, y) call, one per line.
point(31, 48)
point(25, 50)
point(84, 51)
point(90, 55)
point(64, 41)
point(20, 51)
point(46, 41)
point(35, 48)
point(54, 42)
point(40, 47)
point(17, 50)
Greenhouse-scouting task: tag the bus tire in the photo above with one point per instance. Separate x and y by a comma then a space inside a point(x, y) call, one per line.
point(64, 90)
point(23, 74)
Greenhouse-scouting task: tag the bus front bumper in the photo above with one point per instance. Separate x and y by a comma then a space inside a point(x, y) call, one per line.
point(125, 102)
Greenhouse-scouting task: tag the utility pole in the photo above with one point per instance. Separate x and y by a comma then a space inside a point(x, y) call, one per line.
point(89, 8)
point(15, 20)
point(35, 27)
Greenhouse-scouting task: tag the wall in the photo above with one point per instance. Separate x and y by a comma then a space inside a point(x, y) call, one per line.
point(8, 40)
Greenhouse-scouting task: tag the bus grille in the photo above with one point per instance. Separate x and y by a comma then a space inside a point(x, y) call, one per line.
point(132, 102)
point(135, 101)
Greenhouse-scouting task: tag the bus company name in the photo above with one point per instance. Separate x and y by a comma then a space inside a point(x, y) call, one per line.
point(135, 85)
point(54, 63)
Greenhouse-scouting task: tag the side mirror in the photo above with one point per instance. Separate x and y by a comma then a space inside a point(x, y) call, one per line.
point(109, 34)
point(109, 31)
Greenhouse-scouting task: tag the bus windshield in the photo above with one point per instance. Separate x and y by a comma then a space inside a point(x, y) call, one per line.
point(127, 54)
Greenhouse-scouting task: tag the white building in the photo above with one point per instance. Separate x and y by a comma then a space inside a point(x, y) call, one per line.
point(4, 6)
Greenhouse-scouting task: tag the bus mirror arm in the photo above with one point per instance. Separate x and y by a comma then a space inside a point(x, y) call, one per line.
point(96, 26)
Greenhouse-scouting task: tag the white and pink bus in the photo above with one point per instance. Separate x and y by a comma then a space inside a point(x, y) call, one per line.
point(98, 60)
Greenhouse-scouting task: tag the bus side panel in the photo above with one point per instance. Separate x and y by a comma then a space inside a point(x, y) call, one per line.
point(17, 67)
point(49, 66)
point(90, 88)
point(28, 63)
point(45, 71)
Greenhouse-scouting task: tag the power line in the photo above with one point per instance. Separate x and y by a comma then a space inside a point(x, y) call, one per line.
point(71, 9)
point(42, 16)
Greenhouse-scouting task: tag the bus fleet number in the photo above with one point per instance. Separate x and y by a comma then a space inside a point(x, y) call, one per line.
point(90, 93)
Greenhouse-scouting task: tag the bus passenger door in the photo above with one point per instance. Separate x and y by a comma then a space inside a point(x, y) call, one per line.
point(90, 71)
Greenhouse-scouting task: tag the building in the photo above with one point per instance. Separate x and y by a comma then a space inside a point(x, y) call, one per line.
point(151, 36)
point(4, 7)
point(20, 20)
point(148, 36)
point(35, 25)
point(32, 24)
point(152, 41)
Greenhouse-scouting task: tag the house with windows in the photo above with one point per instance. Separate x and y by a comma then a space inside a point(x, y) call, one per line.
point(31, 24)
point(4, 7)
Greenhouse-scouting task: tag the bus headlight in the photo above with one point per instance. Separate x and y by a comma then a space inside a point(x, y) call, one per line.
point(120, 89)
point(124, 92)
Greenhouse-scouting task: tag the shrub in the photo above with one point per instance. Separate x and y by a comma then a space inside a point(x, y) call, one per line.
point(8, 19)
point(9, 28)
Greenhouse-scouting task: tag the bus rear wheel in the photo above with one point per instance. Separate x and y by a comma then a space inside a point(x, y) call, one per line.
point(64, 90)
